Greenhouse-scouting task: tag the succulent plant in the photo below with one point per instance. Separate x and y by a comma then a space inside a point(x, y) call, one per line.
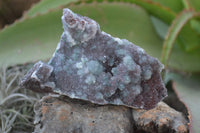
point(168, 30)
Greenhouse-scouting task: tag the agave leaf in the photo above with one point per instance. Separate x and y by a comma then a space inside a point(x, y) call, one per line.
point(184, 61)
point(160, 27)
point(195, 24)
point(160, 8)
point(181, 59)
point(174, 5)
point(194, 4)
point(156, 9)
point(189, 37)
point(36, 38)
point(162, 12)
point(173, 32)
point(30, 40)
point(188, 90)
point(45, 5)
point(186, 4)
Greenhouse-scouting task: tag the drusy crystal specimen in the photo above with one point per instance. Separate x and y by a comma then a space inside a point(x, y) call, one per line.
point(91, 65)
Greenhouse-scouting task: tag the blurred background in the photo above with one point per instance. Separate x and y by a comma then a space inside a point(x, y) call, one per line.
point(166, 29)
point(10, 10)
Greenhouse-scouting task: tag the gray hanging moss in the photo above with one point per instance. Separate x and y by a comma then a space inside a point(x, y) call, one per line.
point(91, 65)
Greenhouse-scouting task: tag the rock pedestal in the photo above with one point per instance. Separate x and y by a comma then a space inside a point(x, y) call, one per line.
point(64, 115)
point(58, 115)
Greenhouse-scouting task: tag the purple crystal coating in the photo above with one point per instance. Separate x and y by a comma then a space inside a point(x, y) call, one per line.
point(91, 65)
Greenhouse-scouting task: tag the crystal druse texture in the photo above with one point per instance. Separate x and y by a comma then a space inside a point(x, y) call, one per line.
point(91, 65)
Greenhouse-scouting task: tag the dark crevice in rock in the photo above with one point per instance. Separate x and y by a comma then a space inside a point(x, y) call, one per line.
point(108, 67)
point(173, 101)
point(114, 96)
point(132, 121)
point(41, 125)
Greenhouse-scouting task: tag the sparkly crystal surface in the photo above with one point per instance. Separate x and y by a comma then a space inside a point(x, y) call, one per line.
point(91, 65)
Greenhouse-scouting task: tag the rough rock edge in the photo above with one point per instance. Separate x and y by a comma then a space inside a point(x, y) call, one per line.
point(160, 119)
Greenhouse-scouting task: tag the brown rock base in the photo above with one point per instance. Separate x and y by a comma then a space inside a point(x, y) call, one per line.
point(161, 119)
point(64, 115)
point(59, 114)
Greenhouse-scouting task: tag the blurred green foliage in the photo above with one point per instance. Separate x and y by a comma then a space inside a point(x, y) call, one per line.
point(166, 29)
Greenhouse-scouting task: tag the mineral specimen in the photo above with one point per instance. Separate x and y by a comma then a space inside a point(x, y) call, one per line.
point(91, 65)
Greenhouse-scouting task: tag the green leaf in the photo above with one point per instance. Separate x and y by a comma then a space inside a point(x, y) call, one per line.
point(173, 32)
point(152, 7)
point(186, 4)
point(160, 27)
point(195, 24)
point(36, 38)
point(174, 5)
point(189, 36)
point(156, 9)
point(180, 60)
point(31, 39)
point(188, 91)
point(183, 61)
point(163, 9)
point(195, 4)
point(45, 5)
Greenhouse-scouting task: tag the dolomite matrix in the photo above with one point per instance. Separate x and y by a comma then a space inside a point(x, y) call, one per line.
point(91, 65)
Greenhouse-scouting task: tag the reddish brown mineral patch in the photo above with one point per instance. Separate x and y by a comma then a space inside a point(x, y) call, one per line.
point(44, 109)
point(160, 119)
point(63, 113)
